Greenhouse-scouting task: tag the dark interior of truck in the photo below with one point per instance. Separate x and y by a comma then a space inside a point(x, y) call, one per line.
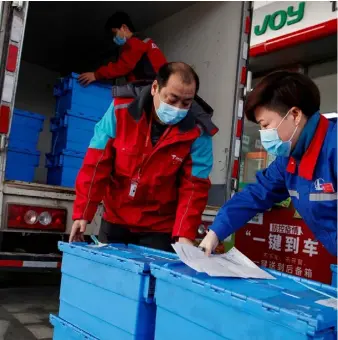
point(69, 36)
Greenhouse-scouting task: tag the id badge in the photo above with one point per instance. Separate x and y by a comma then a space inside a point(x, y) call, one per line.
point(133, 188)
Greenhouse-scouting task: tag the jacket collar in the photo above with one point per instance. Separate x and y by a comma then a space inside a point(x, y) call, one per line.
point(306, 137)
point(308, 161)
point(200, 112)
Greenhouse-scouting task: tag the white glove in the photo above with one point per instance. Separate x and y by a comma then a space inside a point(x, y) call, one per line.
point(209, 243)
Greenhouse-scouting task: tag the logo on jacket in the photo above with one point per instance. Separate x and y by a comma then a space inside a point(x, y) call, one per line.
point(154, 46)
point(320, 185)
point(176, 159)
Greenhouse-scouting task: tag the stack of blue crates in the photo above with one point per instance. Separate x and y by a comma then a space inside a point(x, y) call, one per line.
point(108, 292)
point(136, 293)
point(193, 305)
point(78, 109)
point(23, 156)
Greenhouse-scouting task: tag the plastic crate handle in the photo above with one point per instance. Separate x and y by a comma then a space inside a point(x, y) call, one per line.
point(49, 160)
point(63, 88)
point(149, 289)
point(53, 161)
point(60, 160)
point(65, 121)
point(55, 123)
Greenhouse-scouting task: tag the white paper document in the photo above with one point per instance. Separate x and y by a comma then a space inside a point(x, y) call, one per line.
point(231, 264)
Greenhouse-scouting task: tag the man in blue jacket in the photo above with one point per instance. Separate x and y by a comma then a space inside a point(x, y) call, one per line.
point(286, 106)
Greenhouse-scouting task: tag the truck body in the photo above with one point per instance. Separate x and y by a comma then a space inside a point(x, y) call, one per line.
point(42, 41)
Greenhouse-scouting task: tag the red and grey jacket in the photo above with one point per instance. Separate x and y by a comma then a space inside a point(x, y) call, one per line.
point(161, 188)
point(139, 59)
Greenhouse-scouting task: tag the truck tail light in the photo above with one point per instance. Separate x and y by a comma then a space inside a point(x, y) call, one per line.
point(38, 218)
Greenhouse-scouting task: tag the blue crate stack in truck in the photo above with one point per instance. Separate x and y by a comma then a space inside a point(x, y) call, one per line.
point(108, 292)
point(77, 111)
point(23, 156)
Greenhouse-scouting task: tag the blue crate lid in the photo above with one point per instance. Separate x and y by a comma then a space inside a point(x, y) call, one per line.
point(294, 298)
point(29, 114)
point(70, 330)
point(65, 83)
point(76, 76)
point(132, 258)
point(334, 268)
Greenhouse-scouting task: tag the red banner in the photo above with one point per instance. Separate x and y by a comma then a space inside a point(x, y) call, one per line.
point(279, 241)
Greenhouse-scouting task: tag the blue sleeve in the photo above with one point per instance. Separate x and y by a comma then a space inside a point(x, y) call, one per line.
point(104, 129)
point(201, 156)
point(334, 154)
point(269, 189)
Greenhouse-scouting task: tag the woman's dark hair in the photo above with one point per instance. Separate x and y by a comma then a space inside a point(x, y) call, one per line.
point(186, 72)
point(117, 20)
point(280, 91)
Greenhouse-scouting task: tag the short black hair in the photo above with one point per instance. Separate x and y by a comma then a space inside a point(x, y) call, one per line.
point(280, 91)
point(186, 72)
point(117, 20)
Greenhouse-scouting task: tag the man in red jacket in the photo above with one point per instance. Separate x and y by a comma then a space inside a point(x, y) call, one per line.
point(140, 58)
point(149, 161)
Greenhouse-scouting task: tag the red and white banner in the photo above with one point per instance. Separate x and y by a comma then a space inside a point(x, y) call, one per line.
point(284, 243)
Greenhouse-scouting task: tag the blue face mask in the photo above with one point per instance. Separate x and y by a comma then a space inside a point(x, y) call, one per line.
point(119, 41)
point(272, 142)
point(170, 115)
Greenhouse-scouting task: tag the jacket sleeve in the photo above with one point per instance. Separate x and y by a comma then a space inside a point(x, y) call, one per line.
point(193, 188)
point(131, 53)
point(269, 189)
point(96, 168)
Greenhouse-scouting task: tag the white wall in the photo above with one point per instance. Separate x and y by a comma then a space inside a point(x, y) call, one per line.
point(325, 77)
point(206, 36)
point(35, 93)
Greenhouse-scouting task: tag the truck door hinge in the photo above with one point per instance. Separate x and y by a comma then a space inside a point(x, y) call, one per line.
point(3, 139)
point(17, 4)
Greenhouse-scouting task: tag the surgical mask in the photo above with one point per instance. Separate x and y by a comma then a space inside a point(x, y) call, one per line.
point(169, 114)
point(119, 41)
point(272, 142)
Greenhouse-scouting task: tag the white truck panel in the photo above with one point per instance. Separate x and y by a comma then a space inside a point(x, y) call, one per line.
point(206, 35)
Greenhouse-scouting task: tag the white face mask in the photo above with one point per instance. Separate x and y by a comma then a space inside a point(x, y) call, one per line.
point(272, 142)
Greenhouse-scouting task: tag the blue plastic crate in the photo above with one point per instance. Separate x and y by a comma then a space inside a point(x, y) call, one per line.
point(92, 100)
point(21, 164)
point(204, 307)
point(109, 292)
point(63, 168)
point(25, 129)
point(63, 330)
point(64, 177)
point(334, 275)
point(72, 132)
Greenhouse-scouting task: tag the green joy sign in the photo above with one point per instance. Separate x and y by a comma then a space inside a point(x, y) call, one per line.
point(278, 19)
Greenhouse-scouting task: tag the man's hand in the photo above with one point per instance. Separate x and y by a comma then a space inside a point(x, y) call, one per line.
point(87, 78)
point(209, 243)
point(185, 241)
point(78, 229)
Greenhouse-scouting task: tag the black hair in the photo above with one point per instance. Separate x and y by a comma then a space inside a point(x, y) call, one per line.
point(186, 72)
point(117, 20)
point(280, 91)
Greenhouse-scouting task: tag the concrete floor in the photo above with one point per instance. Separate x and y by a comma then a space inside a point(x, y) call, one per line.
point(26, 300)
